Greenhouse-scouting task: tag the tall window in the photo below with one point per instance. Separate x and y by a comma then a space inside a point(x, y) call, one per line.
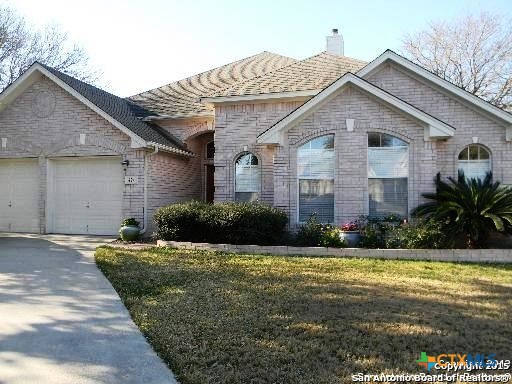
point(210, 150)
point(315, 161)
point(247, 177)
point(475, 161)
point(388, 170)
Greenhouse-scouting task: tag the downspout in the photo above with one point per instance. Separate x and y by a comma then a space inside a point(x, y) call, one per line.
point(145, 220)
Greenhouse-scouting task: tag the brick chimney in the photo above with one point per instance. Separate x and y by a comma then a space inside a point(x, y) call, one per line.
point(334, 44)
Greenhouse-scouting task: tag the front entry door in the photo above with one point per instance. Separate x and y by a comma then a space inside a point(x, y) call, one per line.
point(210, 186)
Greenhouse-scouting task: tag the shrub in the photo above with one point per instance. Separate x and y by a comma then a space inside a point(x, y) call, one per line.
point(310, 234)
point(130, 222)
point(235, 223)
point(314, 234)
point(420, 235)
point(374, 231)
point(470, 209)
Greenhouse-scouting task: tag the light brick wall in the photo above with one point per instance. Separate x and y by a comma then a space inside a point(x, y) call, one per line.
point(173, 179)
point(237, 126)
point(58, 134)
point(351, 176)
point(469, 122)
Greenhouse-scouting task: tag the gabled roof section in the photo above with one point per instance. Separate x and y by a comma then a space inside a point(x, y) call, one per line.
point(434, 128)
point(121, 113)
point(390, 56)
point(181, 98)
point(305, 77)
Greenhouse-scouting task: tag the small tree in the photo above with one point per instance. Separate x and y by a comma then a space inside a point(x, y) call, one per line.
point(21, 45)
point(473, 52)
point(470, 209)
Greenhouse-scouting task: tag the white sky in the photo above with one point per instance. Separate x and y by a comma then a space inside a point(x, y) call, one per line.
point(143, 44)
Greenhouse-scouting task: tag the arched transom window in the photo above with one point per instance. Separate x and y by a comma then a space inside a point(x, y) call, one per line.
point(315, 170)
point(388, 172)
point(475, 161)
point(247, 177)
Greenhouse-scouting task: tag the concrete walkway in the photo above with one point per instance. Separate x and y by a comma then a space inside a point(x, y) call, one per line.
point(62, 322)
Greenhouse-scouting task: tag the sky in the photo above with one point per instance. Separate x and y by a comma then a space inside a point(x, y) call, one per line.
point(139, 45)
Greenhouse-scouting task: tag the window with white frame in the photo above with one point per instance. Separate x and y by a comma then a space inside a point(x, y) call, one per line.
point(315, 171)
point(475, 161)
point(247, 177)
point(388, 172)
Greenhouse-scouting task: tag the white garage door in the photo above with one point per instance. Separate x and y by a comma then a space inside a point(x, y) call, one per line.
point(19, 195)
point(86, 196)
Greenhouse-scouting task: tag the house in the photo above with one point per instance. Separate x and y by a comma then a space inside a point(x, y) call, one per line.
point(328, 134)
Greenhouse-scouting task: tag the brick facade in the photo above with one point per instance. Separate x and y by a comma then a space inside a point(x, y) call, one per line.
point(56, 134)
point(237, 127)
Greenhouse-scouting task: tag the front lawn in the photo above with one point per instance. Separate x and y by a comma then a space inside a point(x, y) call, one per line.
point(222, 318)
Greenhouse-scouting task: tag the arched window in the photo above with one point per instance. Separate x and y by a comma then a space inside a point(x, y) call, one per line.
point(388, 172)
point(315, 170)
point(247, 177)
point(475, 161)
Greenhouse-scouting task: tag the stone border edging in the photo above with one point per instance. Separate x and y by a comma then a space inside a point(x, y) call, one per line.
point(467, 255)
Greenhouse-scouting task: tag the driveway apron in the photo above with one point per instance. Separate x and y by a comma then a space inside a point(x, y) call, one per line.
point(62, 322)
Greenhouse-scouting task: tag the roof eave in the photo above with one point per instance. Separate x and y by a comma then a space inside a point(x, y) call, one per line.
point(180, 116)
point(168, 149)
point(444, 84)
point(31, 75)
point(434, 128)
point(262, 97)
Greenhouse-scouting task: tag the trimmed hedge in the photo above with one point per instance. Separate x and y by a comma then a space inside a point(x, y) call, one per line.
point(233, 223)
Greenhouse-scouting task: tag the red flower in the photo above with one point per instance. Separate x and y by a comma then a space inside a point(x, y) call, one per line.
point(351, 226)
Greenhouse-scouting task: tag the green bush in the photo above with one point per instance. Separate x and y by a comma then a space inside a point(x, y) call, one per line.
point(314, 234)
point(472, 209)
point(420, 235)
point(130, 222)
point(374, 231)
point(234, 223)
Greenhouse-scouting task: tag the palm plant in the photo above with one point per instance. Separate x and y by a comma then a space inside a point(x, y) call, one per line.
point(470, 209)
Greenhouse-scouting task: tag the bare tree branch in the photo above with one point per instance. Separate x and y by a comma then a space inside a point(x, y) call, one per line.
point(21, 45)
point(473, 52)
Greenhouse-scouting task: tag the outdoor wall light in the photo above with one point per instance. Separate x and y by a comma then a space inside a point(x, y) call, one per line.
point(125, 164)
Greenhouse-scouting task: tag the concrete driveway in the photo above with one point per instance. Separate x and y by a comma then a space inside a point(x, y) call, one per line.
point(62, 322)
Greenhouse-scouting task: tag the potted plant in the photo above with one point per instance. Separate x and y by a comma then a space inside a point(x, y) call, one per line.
point(350, 234)
point(129, 230)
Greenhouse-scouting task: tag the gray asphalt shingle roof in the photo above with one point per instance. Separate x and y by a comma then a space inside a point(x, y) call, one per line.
point(181, 98)
point(313, 73)
point(124, 111)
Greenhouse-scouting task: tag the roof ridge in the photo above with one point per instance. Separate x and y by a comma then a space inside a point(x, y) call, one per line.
point(210, 70)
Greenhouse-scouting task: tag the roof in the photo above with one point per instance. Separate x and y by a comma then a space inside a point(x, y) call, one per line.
point(434, 128)
point(313, 73)
point(124, 111)
point(181, 98)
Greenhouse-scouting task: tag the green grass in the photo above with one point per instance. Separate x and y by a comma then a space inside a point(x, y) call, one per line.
point(223, 318)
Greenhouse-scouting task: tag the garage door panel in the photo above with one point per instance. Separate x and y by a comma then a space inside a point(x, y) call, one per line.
point(87, 196)
point(19, 195)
